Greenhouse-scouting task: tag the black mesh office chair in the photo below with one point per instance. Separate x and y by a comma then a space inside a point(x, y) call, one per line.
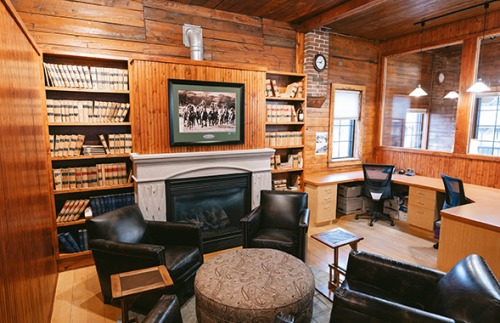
point(454, 196)
point(377, 187)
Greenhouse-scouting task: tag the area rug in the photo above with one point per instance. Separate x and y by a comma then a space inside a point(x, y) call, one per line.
point(321, 306)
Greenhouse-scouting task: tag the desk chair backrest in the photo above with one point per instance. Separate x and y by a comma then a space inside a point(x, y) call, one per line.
point(455, 194)
point(378, 180)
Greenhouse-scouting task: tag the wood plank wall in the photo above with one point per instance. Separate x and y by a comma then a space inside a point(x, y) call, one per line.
point(28, 270)
point(154, 27)
point(480, 170)
point(150, 126)
point(351, 61)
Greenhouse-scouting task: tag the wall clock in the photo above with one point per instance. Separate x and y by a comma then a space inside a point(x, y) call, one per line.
point(441, 77)
point(319, 62)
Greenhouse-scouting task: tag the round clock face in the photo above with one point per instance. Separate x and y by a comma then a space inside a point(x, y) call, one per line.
point(319, 62)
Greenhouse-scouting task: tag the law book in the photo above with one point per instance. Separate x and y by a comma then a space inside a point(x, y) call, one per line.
point(279, 185)
point(269, 91)
point(122, 143)
point(279, 181)
point(295, 88)
point(93, 176)
point(58, 77)
point(50, 110)
point(99, 175)
point(63, 216)
point(111, 141)
point(64, 208)
point(51, 144)
point(85, 177)
point(266, 142)
point(104, 112)
point(76, 75)
point(71, 241)
point(301, 90)
point(65, 243)
point(78, 177)
point(88, 77)
point(57, 146)
point(288, 91)
point(71, 77)
point(65, 178)
point(272, 139)
point(79, 143)
point(295, 180)
point(93, 76)
point(123, 167)
point(288, 112)
point(120, 79)
point(278, 139)
point(81, 112)
point(275, 113)
point(77, 214)
point(71, 211)
point(277, 159)
point(80, 238)
point(108, 173)
point(67, 143)
point(72, 178)
point(125, 112)
point(53, 78)
point(57, 111)
point(72, 145)
point(276, 89)
point(272, 162)
point(116, 176)
point(128, 143)
point(125, 79)
point(83, 79)
point(85, 239)
point(48, 78)
point(129, 177)
point(93, 206)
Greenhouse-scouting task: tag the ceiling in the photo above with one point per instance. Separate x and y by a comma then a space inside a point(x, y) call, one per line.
point(381, 21)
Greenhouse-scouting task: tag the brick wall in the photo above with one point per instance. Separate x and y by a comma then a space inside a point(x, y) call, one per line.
point(316, 41)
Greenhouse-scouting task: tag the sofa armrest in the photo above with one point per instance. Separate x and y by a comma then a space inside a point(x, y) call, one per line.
point(166, 310)
point(304, 219)
point(133, 250)
point(394, 276)
point(250, 225)
point(302, 238)
point(171, 234)
point(348, 304)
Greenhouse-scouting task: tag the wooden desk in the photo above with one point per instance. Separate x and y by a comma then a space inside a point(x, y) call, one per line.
point(465, 229)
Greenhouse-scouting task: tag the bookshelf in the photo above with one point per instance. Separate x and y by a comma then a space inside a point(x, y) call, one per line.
point(91, 131)
point(282, 80)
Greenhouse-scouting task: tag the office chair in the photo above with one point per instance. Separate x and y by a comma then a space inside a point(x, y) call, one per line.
point(377, 187)
point(454, 196)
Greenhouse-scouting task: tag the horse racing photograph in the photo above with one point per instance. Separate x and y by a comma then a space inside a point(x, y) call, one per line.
point(204, 111)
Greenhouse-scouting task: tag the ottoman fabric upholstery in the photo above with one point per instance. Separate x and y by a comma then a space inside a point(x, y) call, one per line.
point(253, 285)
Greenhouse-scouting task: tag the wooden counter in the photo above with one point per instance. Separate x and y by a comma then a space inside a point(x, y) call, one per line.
point(466, 229)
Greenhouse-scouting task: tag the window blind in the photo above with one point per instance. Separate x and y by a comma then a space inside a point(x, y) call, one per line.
point(346, 104)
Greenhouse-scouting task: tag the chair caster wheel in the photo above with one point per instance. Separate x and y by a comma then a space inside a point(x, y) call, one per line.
point(392, 224)
point(356, 217)
point(371, 224)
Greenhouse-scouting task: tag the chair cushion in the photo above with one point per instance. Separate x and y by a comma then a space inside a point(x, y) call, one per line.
point(278, 239)
point(469, 292)
point(180, 259)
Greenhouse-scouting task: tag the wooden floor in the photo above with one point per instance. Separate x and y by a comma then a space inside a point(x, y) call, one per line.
point(79, 300)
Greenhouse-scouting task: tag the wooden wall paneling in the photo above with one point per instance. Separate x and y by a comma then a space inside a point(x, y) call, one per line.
point(299, 53)
point(27, 264)
point(465, 101)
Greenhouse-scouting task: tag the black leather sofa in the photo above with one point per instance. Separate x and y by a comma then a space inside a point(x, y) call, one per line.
point(123, 241)
point(280, 222)
point(379, 289)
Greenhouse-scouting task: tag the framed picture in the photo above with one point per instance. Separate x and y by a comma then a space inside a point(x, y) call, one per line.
point(206, 113)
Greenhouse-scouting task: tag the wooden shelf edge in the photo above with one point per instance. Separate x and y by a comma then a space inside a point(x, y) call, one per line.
point(285, 123)
point(285, 99)
point(276, 171)
point(90, 189)
point(74, 255)
point(286, 73)
point(89, 157)
point(65, 89)
point(86, 124)
point(286, 147)
point(67, 224)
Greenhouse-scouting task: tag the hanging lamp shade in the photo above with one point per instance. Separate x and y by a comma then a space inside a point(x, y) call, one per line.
point(478, 87)
point(418, 92)
point(451, 95)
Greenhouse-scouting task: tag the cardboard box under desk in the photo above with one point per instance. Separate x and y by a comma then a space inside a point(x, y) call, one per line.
point(349, 205)
point(350, 189)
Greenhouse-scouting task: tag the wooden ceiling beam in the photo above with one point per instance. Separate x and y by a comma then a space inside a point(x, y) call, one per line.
point(338, 13)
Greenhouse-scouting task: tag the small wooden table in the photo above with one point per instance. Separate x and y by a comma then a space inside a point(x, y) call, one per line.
point(128, 286)
point(335, 239)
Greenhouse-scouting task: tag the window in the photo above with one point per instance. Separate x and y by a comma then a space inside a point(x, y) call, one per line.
point(487, 127)
point(345, 109)
point(413, 130)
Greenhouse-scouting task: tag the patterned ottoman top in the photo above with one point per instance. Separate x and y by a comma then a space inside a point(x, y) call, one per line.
point(254, 279)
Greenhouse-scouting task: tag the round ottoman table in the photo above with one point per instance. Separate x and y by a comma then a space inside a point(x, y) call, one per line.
point(253, 285)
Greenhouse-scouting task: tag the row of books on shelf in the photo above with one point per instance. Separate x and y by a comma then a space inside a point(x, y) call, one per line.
point(293, 90)
point(73, 145)
point(108, 203)
point(86, 111)
point(69, 244)
point(281, 113)
point(72, 76)
point(294, 161)
point(100, 175)
point(72, 210)
point(283, 138)
point(283, 185)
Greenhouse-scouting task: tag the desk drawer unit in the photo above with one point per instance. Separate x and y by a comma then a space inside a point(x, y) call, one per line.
point(422, 208)
point(322, 202)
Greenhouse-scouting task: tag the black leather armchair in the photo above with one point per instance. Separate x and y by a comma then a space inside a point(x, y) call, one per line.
point(121, 241)
point(379, 289)
point(166, 310)
point(280, 222)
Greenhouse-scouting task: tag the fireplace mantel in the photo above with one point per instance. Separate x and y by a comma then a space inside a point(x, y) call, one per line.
point(151, 171)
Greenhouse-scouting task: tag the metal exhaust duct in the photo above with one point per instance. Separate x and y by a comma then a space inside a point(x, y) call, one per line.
point(192, 37)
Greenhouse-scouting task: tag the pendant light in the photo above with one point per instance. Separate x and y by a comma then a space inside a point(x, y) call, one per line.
point(479, 86)
point(418, 91)
point(451, 95)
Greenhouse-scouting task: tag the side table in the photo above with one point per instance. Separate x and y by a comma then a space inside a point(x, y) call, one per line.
point(335, 239)
point(128, 286)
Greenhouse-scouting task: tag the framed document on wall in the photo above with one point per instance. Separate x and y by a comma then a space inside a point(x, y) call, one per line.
point(206, 113)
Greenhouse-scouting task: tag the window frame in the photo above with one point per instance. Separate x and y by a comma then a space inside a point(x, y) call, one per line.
point(474, 120)
point(357, 158)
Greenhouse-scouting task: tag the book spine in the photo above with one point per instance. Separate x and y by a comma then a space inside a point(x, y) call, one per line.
point(65, 243)
point(85, 240)
point(80, 237)
point(93, 206)
point(125, 79)
point(71, 241)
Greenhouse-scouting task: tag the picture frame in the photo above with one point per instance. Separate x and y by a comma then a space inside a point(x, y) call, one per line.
point(206, 113)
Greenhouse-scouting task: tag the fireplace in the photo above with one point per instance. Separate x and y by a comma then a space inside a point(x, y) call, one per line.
point(216, 203)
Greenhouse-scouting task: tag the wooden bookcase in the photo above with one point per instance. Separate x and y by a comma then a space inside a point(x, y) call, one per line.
point(283, 80)
point(91, 131)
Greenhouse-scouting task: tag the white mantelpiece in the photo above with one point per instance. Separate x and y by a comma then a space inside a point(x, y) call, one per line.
point(151, 172)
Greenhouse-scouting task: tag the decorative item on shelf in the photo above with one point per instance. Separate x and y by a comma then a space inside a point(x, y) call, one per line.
point(479, 86)
point(451, 95)
point(419, 91)
point(206, 113)
point(300, 114)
